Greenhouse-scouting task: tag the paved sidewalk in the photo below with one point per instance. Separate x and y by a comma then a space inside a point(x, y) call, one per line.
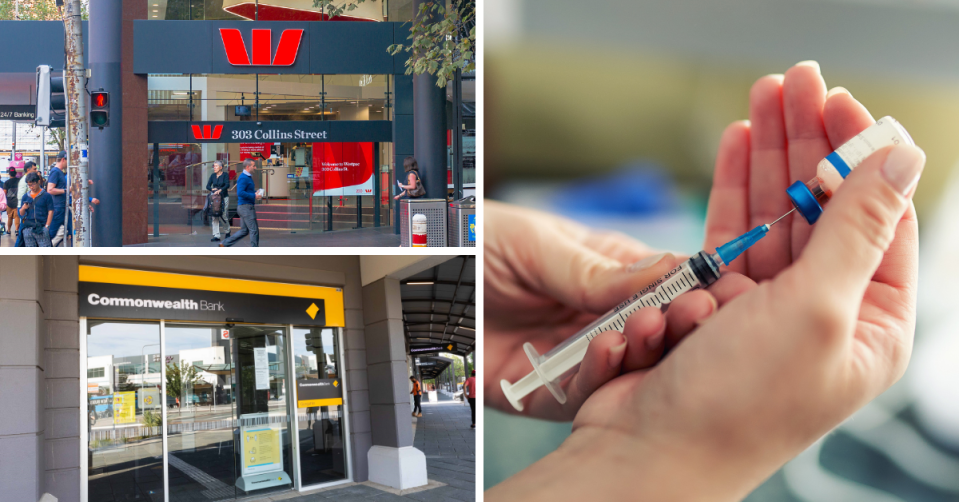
point(361, 237)
point(445, 436)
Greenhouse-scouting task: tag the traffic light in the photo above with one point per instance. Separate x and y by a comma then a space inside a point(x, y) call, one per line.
point(51, 99)
point(99, 109)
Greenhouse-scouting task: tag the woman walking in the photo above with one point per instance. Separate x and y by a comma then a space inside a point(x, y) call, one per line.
point(414, 186)
point(219, 185)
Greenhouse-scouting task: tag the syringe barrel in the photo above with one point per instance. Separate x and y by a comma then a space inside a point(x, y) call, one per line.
point(697, 272)
point(808, 197)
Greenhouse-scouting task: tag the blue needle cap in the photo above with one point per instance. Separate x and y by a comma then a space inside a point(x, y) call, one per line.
point(732, 249)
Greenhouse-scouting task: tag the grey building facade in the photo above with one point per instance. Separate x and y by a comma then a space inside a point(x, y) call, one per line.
point(64, 417)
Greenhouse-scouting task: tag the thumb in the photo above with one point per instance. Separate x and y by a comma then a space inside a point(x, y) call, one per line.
point(859, 225)
point(595, 283)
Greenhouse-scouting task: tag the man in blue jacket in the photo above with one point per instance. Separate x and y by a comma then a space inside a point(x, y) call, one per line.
point(57, 187)
point(246, 196)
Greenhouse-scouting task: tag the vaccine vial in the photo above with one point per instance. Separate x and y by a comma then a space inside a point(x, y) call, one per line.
point(808, 197)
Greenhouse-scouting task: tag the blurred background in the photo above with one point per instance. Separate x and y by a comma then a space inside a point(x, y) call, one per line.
point(611, 112)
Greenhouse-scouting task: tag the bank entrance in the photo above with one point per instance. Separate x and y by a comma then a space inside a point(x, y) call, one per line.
point(192, 410)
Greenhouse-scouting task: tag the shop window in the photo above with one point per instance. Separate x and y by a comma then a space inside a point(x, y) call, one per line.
point(95, 373)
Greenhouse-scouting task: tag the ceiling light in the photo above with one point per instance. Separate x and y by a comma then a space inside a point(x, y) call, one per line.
point(419, 283)
point(154, 10)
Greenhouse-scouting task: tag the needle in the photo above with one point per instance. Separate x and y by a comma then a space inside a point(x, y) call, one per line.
point(781, 217)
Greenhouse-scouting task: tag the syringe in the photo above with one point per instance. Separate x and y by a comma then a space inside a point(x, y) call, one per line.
point(697, 272)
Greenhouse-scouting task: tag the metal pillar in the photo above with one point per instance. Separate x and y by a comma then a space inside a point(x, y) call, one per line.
point(457, 128)
point(376, 184)
point(429, 130)
point(106, 148)
point(75, 80)
point(156, 191)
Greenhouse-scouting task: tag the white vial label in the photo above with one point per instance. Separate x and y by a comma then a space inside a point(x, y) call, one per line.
point(838, 164)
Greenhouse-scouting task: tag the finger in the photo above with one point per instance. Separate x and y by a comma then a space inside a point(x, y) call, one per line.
point(843, 117)
point(804, 94)
point(768, 174)
point(846, 117)
point(644, 331)
point(858, 227)
point(728, 214)
point(689, 310)
point(685, 314)
point(600, 364)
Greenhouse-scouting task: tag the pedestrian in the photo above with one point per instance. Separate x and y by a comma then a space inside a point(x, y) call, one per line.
point(246, 196)
point(469, 388)
point(417, 397)
point(219, 184)
point(414, 186)
point(36, 213)
point(57, 187)
point(22, 189)
point(10, 190)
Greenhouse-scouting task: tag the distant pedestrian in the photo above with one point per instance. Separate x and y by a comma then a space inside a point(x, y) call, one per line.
point(57, 187)
point(218, 186)
point(469, 388)
point(10, 188)
point(417, 398)
point(22, 189)
point(414, 186)
point(246, 196)
point(36, 212)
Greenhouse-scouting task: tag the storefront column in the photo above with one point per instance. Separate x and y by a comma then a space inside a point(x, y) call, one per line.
point(393, 461)
point(402, 135)
point(135, 188)
point(106, 150)
point(39, 378)
point(429, 126)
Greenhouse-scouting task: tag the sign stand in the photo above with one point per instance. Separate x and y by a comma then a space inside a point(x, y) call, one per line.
point(261, 454)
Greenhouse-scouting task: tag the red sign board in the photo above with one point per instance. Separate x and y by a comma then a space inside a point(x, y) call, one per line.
point(342, 169)
point(248, 149)
point(262, 45)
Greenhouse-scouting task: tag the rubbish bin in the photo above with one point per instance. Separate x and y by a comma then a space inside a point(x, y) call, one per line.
point(435, 212)
point(462, 224)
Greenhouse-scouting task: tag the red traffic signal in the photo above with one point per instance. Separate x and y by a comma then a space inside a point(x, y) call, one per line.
point(100, 109)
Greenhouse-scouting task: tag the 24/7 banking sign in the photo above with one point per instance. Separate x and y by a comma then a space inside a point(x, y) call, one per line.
point(132, 294)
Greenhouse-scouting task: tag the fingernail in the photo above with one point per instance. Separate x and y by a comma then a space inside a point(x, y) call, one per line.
point(837, 90)
point(903, 166)
point(645, 263)
point(655, 341)
point(712, 311)
point(813, 64)
point(616, 354)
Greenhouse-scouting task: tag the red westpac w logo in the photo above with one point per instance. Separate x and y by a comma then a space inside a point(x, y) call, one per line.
point(237, 55)
point(205, 132)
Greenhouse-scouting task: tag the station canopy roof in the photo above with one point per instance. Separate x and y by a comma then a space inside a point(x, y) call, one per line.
point(439, 306)
point(431, 366)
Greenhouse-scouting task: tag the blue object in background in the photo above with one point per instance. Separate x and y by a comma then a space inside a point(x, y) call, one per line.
point(472, 231)
point(637, 189)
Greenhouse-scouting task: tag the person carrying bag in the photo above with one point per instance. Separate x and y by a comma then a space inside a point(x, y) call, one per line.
point(414, 187)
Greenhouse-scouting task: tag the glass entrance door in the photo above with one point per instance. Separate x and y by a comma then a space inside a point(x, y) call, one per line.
point(200, 413)
point(319, 407)
point(264, 458)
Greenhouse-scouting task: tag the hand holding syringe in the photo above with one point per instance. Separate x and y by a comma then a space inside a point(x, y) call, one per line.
point(702, 269)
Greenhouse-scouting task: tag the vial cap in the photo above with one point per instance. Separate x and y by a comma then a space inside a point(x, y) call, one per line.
point(805, 201)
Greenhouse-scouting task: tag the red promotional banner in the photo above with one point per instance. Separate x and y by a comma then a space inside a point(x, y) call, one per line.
point(248, 149)
point(342, 169)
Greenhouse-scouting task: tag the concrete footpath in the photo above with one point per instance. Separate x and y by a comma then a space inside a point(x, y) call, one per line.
point(444, 435)
point(361, 237)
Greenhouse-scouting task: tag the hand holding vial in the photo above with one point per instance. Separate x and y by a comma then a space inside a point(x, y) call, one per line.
point(764, 368)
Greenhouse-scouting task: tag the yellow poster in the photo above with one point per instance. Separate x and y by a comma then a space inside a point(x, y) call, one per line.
point(261, 450)
point(124, 407)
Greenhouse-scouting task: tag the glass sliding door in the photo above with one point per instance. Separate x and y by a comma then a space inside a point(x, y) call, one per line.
point(200, 413)
point(264, 461)
point(319, 408)
point(124, 412)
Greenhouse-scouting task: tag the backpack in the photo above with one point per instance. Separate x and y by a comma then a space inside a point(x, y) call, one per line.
point(216, 205)
point(12, 194)
point(418, 190)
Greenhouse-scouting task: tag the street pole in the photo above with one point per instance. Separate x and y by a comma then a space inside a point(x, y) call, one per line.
point(75, 82)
